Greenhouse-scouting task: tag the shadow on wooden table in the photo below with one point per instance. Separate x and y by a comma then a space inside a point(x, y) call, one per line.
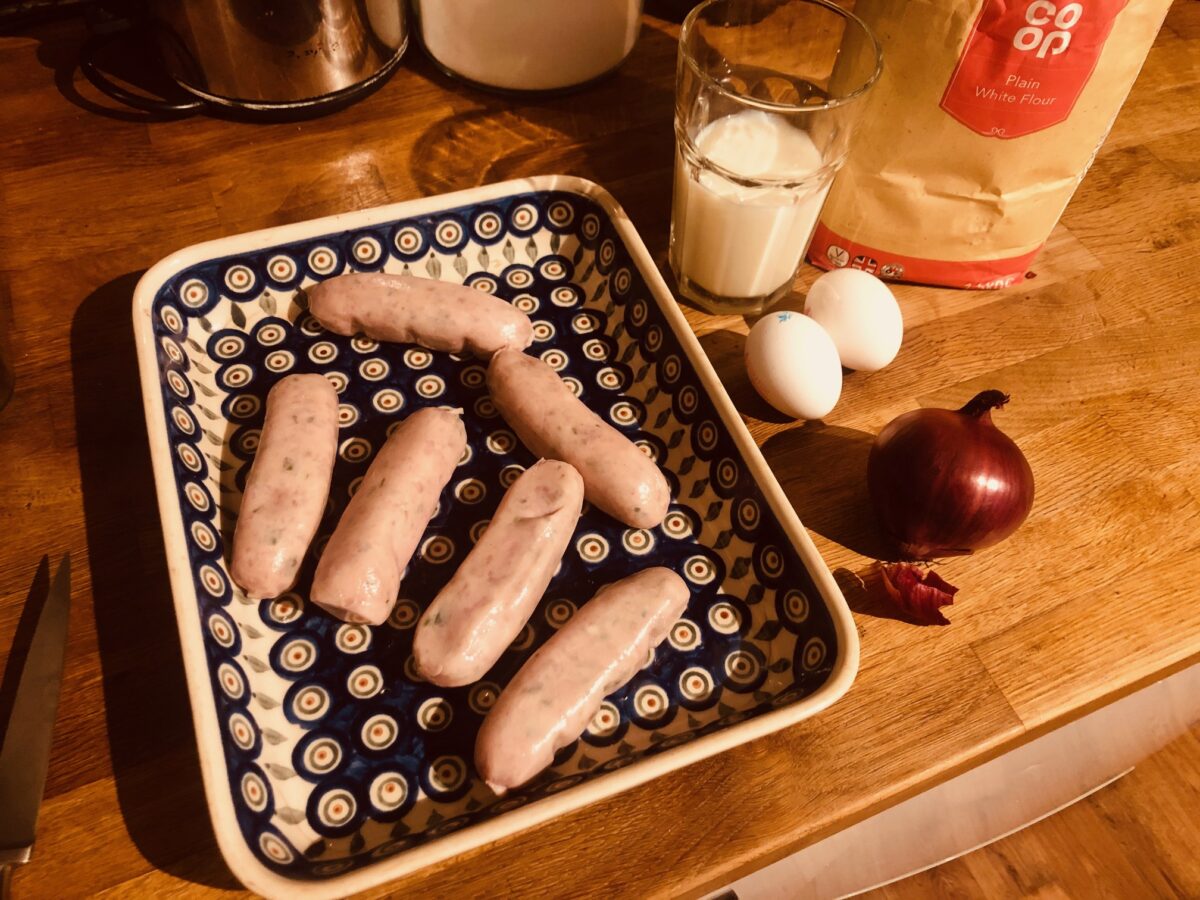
point(154, 760)
point(61, 42)
point(576, 133)
point(823, 470)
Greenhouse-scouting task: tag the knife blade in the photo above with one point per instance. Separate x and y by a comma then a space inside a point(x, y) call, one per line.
point(26, 753)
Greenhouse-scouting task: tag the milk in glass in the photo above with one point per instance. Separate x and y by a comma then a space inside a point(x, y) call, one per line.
point(745, 238)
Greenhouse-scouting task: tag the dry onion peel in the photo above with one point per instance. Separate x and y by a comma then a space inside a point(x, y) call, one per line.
point(920, 593)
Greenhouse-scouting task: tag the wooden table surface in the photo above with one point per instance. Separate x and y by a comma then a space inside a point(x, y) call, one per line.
point(1093, 597)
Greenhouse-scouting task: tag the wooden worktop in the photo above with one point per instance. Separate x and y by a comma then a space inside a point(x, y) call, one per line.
point(1094, 596)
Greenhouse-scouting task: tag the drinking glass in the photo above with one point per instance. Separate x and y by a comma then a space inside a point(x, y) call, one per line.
point(767, 94)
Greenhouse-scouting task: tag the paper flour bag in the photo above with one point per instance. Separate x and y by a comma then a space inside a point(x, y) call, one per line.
point(986, 117)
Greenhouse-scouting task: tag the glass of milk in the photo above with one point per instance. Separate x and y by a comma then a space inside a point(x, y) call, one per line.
point(766, 98)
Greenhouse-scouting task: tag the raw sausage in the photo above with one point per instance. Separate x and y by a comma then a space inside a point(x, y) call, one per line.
point(287, 485)
point(406, 310)
point(358, 576)
point(491, 596)
point(552, 422)
point(552, 698)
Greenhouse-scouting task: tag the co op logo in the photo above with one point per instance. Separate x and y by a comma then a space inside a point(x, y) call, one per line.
point(1042, 15)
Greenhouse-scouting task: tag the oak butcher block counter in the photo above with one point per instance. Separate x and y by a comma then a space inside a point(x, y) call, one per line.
point(1093, 598)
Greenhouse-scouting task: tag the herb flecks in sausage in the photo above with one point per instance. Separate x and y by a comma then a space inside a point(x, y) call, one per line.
point(359, 572)
point(552, 698)
point(491, 596)
point(553, 423)
point(404, 309)
point(287, 485)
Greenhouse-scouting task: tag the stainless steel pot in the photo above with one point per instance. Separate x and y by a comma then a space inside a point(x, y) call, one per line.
point(278, 55)
point(265, 58)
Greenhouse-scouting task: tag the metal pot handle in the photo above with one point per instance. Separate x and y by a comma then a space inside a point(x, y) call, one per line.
point(102, 83)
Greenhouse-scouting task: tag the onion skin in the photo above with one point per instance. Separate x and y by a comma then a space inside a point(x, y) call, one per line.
point(919, 593)
point(948, 482)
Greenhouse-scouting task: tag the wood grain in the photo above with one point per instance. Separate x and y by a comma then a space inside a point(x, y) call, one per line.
point(1092, 598)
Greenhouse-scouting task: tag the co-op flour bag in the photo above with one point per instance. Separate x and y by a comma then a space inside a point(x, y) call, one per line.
point(986, 117)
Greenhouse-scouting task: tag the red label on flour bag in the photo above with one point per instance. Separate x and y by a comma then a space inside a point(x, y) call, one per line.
point(1025, 63)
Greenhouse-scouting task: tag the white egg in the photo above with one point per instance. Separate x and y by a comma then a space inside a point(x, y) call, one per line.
point(794, 365)
point(861, 315)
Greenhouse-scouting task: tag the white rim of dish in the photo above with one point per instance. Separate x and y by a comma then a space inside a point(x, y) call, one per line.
point(241, 860)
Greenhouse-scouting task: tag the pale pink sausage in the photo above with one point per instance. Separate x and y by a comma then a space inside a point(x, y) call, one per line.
point(553, 423)
point(490, 598)
point(287, 485)
point(552, 698)
point(358, 576)
point(403, 309)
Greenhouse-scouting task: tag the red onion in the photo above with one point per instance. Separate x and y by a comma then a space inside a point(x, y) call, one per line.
point(946, 482)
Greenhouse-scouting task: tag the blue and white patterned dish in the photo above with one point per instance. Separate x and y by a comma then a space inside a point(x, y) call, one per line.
point(328, 766)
